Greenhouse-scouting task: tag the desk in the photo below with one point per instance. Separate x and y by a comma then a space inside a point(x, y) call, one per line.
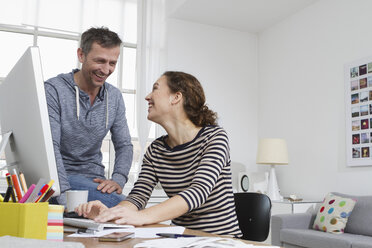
point(129, 243)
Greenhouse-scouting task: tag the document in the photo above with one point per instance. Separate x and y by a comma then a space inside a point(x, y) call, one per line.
point(197, 242)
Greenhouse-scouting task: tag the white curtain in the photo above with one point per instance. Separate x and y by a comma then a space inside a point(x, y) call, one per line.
point(150, 60)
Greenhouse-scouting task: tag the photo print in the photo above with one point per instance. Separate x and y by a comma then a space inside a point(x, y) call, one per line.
point(370, 67)
point(355, 111)
point(371, 137)
point(355, 98)
point(364, 96)
point(356, 152)
point(355, 125)
point(354, 72)
point(355, 85)
point(364, 138)
point(364, 124)
point(363, 110)
point(356, 138)
point(362, 70)
point(369, 81)
point(365, 152)
point(363, 83)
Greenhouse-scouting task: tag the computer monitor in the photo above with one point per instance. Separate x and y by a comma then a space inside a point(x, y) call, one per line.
point(24, 112)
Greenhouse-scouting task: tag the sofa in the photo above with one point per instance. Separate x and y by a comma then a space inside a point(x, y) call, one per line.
point(295, 230)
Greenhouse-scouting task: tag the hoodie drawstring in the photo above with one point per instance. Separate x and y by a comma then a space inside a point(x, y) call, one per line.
point(77, 102)
point(78, 105)
point(107, 110)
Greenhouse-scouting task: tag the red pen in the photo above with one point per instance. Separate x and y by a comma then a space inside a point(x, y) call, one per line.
point(41, 193)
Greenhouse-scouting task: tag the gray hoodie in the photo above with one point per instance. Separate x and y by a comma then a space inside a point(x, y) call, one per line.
point(78, 129)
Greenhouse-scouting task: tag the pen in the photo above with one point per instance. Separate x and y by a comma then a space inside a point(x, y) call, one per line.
point(28, 193)
point(16, 186)
point(9, 193)
point(47, 195)
point(46, 190)
point(41, 193)
point(9, 181)
point(18, 182)
point(174, 235)
point(86, 230)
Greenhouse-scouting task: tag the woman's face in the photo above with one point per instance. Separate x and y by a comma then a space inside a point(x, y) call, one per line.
point(159, 100)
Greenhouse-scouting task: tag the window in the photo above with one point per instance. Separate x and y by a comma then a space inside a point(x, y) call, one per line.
point(52, 24)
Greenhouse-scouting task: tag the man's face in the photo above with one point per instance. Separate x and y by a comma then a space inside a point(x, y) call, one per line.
point(98, 64)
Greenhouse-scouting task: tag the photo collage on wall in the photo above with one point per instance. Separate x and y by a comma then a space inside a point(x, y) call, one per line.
point(360, 83)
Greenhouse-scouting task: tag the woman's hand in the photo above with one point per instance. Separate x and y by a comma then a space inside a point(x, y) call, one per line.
point(91, 209)
point(122, 215)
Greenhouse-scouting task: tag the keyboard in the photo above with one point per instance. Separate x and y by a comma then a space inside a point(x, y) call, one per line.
point(91, 224)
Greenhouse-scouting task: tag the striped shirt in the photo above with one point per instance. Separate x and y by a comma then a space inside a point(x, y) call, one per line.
point(198, 171)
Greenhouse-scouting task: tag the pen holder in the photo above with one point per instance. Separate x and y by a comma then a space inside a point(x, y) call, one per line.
point(25, 220)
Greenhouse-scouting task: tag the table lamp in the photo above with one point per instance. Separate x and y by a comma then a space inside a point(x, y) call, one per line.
point(272, 152)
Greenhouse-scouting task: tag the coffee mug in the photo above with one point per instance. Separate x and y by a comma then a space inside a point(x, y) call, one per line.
point(74, 198)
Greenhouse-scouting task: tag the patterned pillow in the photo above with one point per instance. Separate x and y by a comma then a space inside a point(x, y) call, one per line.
point(333, 214)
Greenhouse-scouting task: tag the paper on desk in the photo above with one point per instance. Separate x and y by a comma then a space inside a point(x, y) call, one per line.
point(146, 232)
point(197, 242)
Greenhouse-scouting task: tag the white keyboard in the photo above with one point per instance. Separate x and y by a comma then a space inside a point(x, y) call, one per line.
point(90, 224)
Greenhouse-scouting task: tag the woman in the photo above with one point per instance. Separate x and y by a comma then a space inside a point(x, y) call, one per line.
point(192, 163)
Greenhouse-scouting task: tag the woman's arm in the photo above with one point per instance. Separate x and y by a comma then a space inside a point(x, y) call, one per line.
point(127, 213)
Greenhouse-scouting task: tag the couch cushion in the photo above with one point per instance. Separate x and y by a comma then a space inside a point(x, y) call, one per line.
point(333, 214)
point(361, 244)
point(317, 239)
point(314, 239)
point(360, 220)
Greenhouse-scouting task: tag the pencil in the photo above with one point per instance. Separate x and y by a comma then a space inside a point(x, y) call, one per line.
point(23, 182)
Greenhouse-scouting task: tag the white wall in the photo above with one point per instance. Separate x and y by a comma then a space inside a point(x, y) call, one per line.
point(225, 62)
point(301, 94)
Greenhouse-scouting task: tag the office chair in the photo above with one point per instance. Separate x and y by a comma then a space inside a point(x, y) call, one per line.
point(253, 211)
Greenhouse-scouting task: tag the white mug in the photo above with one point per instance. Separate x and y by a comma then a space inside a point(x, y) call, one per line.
point(74, 198)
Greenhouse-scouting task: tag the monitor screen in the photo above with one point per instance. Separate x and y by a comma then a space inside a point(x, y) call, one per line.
point(24, 112)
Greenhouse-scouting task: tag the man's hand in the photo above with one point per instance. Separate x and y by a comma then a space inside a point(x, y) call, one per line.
point(108, 186)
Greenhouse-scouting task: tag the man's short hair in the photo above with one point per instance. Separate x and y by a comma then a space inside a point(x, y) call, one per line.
point(103, 36)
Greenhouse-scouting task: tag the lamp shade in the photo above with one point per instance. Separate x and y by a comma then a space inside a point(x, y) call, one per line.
point(272, 151)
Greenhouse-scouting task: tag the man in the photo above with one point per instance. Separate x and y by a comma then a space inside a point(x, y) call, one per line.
point(82, 108)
